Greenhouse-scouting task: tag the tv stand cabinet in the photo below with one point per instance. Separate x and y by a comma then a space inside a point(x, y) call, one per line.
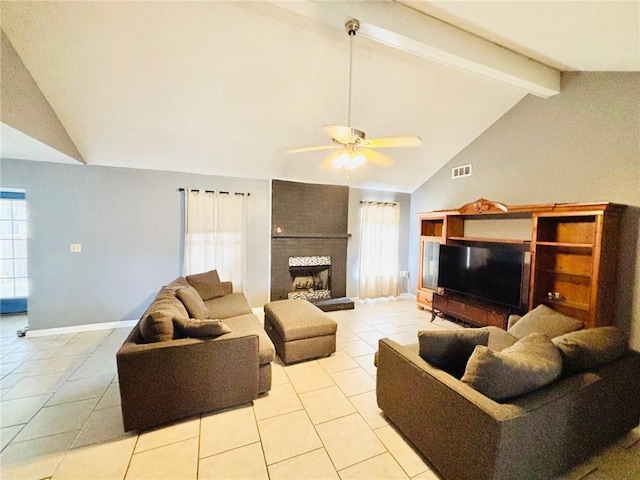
point(470, 311)
point(574, 256)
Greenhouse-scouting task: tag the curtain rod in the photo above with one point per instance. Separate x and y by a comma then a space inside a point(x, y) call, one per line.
point(181, 189)
point(380, 203)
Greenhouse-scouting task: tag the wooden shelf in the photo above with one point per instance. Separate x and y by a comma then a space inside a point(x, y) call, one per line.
point(563, 303)
point(586, 276)
point(573, 247)
point(490, 240)
point(569, 245)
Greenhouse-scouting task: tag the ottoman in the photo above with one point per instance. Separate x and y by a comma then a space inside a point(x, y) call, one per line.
point(299, 330)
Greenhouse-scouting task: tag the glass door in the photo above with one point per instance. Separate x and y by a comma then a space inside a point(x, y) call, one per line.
point(430, 257)
point(13, 252)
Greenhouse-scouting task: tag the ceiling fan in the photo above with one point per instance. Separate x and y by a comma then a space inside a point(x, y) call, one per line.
point(352, 147)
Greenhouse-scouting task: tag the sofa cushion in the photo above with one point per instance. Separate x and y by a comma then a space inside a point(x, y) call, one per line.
point(207, 284)
point(499, 339)
point(249, 324)
point(196, 328)
point(156, 324)
point(529, 364)
point(228, 306)
point(590, 348)
point(193, 302)
point(449, 350)
point(542, 319)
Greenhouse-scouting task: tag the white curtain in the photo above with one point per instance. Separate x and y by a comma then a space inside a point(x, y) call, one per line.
point(215, 235)
point(199, 237)
point(231, 213)
point(379, 234)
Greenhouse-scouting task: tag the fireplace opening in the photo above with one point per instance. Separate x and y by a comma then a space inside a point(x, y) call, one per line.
point(310, 277)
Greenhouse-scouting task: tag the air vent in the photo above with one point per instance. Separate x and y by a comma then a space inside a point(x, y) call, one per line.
point(462, 171)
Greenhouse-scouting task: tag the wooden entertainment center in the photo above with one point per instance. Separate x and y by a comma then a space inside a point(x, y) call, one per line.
point(574, 256)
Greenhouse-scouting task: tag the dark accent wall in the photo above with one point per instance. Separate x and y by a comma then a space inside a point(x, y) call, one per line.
point(308, 219)
point(304, 208)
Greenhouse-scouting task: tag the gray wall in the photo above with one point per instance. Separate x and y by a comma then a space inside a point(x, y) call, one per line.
point(129, 223)
point(580, 146)
point(356, 195)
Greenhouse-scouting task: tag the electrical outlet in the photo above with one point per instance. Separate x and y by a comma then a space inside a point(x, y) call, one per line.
point(404, 274)
point(75, 248)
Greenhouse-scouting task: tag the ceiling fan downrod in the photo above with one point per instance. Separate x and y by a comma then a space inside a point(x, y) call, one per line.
point(351, 26)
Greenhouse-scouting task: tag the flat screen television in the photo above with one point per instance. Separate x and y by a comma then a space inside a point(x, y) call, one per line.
point(497, 274)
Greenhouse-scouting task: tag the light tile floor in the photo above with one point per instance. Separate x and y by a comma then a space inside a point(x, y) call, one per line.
point(60, 415)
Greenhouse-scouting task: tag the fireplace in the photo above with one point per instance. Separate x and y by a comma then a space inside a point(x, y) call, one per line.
point(310, 277)
point(309, 243)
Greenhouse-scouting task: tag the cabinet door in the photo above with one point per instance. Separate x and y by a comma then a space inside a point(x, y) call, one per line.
point(430, 256)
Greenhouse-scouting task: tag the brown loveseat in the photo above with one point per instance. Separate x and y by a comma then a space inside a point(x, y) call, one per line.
point(537, 435)
point(178, 361)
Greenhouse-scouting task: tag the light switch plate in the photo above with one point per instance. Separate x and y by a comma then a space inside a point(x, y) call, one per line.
point(75, 248)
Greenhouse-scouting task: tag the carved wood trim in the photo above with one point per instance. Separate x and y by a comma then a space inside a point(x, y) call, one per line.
point(482, 206)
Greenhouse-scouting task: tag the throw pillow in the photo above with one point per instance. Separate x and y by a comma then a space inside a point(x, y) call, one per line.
point(157, 326)
point(590, 348)
point(206, 284)
point(156, 323)
point(542, 319)
point(193, 302)
point(449, 350)
point(529, 364)
point(196, 328)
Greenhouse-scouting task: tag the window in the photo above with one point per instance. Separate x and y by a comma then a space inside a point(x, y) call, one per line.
point(215, 235)
point(13, 252)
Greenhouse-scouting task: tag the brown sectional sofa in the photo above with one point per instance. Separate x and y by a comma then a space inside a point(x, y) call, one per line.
point(172, 366)
point(537, 435)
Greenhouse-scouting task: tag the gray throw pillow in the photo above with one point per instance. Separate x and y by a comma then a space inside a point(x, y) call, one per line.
point(449, 350)
point(542, 319)
point(157, 326)
point(156, 323)
point(196, 328)
point(528, 365)
point(193, 302)
point(590, 348)
point(207, 284)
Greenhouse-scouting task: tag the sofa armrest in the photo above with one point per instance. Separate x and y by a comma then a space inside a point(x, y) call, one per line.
point(164, 381)
point(545, 431)
point(438, 413)
point(513, 319)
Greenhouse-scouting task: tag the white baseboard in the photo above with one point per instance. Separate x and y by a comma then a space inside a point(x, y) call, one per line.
point(43, 332)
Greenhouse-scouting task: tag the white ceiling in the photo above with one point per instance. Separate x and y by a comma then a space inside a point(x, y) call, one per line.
point(221, 87)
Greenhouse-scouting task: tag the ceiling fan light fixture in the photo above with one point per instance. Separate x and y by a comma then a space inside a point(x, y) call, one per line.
point(352, 146)
point(349, 160)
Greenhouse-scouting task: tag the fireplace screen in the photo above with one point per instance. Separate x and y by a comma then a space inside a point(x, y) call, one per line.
point(310, 277)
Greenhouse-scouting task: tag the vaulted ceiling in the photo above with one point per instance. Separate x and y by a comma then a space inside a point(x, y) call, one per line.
point(222, 87)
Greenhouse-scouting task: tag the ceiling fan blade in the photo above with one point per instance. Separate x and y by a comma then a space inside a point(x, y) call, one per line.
point(341, 133)
point(392, 142)
point(376, 157)
point(310, 149)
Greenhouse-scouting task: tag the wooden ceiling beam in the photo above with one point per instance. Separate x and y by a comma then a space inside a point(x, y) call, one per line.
point(404, 28)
